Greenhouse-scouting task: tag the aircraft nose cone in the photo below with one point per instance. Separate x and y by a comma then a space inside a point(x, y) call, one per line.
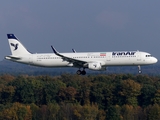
point(155, 60)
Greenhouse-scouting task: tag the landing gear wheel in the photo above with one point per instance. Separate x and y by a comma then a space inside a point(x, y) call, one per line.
point(78, 72)
point(83, 72)
point(139, 71)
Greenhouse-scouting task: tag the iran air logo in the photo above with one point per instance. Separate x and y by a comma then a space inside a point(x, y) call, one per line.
point(15, 46)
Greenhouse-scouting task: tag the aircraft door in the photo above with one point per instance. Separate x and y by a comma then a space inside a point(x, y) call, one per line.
point(138, 57)
point(108, 57)
point(30, 59)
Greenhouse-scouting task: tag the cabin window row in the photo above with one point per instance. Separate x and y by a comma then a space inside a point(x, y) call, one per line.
point(72, 57)
point(51, 58)
point(148, 55)
point(122, 56)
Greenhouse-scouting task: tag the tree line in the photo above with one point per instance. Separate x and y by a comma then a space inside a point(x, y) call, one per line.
point(73, 97)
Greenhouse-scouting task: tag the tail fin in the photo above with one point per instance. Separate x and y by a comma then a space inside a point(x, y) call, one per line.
point(16, 46)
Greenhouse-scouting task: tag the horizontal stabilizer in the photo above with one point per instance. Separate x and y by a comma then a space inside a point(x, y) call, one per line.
point(12, 57)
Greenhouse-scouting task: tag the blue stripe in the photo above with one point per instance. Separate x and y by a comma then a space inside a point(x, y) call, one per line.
point(11, 36)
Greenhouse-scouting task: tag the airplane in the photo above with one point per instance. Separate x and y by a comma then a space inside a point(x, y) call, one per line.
point(97, 61)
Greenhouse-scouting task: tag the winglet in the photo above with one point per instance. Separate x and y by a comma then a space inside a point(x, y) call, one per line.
point(74, 50)
point(54, 50)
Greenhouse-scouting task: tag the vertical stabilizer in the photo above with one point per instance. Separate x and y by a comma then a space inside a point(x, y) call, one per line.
point(16, 46)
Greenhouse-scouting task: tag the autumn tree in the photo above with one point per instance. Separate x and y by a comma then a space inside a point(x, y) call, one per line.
point(67, 93)
point(147, 94)
point(113, 113)
point(156, 99)
point(153, 112)
point(6, 94)
point(16, 112)
point(130, 90)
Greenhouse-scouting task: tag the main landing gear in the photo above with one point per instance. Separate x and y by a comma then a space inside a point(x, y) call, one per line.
point(79, 72)
point(139, 69)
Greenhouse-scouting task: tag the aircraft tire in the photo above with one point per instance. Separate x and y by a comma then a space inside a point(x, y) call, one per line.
point(139, 71)
point(79, 72)
point(83, 72)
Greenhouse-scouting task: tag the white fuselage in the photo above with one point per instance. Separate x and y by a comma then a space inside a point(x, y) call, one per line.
point(90, 60)
point(118, 58)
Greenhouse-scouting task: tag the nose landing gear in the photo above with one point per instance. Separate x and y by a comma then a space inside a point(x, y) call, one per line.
point(139, 69)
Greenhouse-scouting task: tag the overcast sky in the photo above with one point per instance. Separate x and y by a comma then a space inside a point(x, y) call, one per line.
point(85, 25)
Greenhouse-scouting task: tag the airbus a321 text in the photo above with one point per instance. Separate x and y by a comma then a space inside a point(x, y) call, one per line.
point(81, 60)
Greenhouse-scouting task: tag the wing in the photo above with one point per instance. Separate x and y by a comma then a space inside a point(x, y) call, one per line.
point(76, 63)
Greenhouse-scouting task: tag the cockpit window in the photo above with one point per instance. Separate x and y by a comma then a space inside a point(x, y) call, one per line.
point(148, 55)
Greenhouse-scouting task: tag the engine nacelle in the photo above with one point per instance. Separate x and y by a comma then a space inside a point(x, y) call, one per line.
point(96, 66)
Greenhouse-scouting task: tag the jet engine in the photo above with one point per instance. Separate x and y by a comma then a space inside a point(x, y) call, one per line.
point(96, 66)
